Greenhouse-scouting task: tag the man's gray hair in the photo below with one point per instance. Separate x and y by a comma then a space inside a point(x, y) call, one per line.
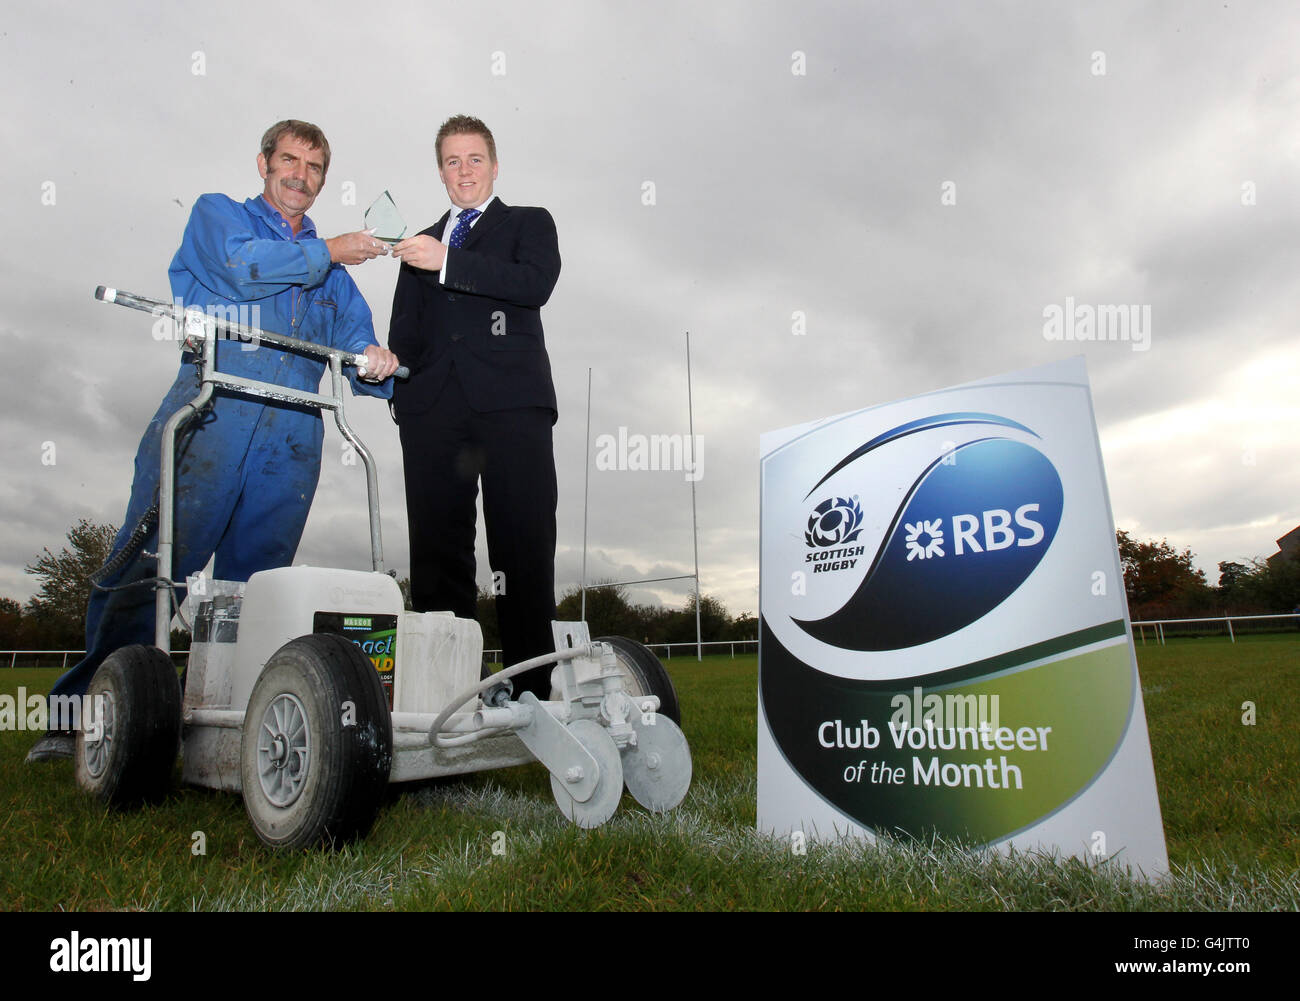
point(304, 132)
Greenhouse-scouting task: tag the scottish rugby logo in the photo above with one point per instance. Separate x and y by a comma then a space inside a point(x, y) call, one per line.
point(972, 527)
point(834, 522)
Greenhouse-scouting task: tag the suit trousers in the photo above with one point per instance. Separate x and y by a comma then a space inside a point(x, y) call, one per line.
point(445, 451)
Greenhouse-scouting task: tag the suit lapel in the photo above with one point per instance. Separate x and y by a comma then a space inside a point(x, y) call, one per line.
point(493, 215)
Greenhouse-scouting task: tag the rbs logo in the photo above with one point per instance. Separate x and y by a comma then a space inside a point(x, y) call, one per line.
point(998, 507)
point(966, 538)
point(997, 531)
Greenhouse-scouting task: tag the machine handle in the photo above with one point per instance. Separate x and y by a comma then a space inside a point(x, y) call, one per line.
point(113, 295)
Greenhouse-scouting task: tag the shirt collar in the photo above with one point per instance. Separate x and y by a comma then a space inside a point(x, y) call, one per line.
point(279, 223)
point(456, 210)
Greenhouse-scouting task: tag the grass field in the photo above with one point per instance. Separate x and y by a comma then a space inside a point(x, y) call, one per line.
point(1228, 793)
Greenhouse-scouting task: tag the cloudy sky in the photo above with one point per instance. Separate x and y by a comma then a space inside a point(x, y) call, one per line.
point(844, 203)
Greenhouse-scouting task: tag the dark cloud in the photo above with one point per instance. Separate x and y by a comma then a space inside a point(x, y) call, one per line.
point(776, 196)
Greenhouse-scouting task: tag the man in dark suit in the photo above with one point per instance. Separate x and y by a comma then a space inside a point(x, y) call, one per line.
point(480, 401)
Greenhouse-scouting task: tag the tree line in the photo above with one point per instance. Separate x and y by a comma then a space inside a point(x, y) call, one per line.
point(611, 613)
point(54, 618)
point(1160, 581)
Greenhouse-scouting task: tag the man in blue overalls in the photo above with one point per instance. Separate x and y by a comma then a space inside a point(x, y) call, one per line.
point(246, 468)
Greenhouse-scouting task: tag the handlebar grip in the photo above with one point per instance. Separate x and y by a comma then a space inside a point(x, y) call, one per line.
point(402, 372)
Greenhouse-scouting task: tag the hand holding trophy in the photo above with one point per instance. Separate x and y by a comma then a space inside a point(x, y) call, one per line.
point(384, 221)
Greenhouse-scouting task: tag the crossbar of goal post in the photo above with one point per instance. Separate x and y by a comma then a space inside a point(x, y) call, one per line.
point(699, 645)
point(695, 537)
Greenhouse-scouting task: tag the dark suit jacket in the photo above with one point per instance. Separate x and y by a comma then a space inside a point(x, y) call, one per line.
point(486, 320)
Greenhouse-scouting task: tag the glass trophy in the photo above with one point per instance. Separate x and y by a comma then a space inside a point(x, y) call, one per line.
point(385, 220)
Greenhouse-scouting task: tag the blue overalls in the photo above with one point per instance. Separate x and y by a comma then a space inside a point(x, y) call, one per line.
point(246, 469)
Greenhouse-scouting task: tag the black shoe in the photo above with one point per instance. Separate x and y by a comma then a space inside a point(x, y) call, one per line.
point(56, 745)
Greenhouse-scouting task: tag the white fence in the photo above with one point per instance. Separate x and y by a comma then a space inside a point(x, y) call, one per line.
point(744, 646)
point(65, 658)
point(62, 658)
point(1157, 626)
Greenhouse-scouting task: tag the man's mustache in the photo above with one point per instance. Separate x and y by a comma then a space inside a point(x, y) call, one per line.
point(296, 185)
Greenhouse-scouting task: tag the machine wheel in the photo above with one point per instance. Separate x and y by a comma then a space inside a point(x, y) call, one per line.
point(609, 788)
point(657, 771)
point(317, 744)
point(131, 728)
point(645, 674)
